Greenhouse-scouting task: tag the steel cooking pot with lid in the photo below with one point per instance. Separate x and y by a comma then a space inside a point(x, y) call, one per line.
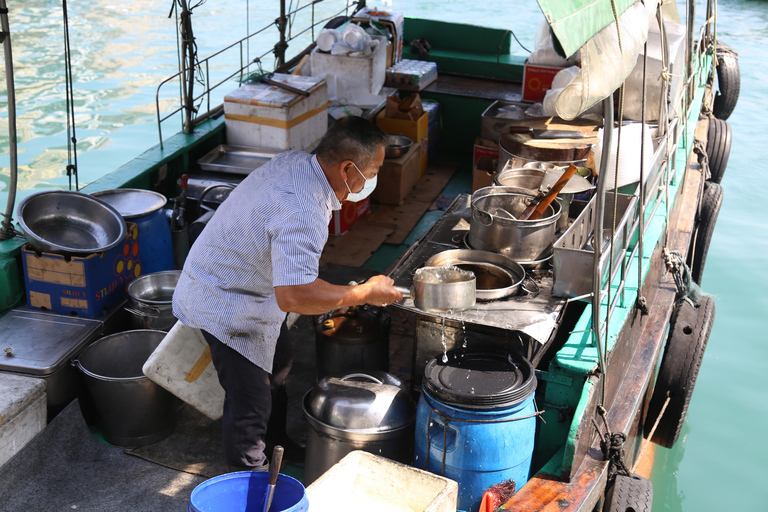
point(370, 411)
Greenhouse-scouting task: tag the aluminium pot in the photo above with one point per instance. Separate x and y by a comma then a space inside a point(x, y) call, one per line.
point(370, 411)
point(492, 228)
point(150, 300)
point(441, 289)
point(133, 410)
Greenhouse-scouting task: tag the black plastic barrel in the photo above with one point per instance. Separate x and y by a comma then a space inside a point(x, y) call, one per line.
point(133, 410)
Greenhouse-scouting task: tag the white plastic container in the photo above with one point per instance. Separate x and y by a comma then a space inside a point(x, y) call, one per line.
point(270, 117)
point(367, 73)
point(182, 365)
point(22, 412)
point(361, 481)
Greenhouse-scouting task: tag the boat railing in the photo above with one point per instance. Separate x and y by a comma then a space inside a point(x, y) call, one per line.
point(663, 172)
point(285, 25)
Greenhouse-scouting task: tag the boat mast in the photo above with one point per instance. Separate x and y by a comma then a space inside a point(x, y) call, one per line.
point(7, 231)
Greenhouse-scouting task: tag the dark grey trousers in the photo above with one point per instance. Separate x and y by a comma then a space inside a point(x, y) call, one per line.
point(249, 393)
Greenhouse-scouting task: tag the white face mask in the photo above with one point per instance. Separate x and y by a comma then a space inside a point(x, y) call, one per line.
point(368, 187)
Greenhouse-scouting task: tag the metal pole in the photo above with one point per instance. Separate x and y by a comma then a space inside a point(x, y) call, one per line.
point(690, 52)
point(597, 243)
point(282, 45)
point(7, 230)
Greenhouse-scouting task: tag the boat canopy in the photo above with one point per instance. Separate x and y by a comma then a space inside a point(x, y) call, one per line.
point(607, 55)
point(574, 22)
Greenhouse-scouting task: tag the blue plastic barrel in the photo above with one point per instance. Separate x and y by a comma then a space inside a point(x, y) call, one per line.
point(246, 491)
point(483, 422)
point(155, 242)
point(145, 208)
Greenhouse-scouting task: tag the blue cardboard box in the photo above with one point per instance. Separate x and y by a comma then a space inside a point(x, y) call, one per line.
point(81, 285)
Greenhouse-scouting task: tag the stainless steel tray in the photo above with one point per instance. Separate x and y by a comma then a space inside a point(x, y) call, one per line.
point(236, 159)
point(573, 252)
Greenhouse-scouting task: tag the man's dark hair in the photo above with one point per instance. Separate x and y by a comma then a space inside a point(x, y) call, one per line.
point(352, 138)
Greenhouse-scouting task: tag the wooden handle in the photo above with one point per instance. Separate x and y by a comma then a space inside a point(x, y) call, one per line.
point(535, 210)
point(274, 464)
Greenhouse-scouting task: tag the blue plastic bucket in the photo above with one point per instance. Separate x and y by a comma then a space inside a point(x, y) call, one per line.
point(155, 242)
point(145, 208)
point(246, 491)
point(483, 444)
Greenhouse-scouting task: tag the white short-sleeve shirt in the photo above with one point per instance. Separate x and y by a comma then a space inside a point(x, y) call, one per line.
point(269, 232)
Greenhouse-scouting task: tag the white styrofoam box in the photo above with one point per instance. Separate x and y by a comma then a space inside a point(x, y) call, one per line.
point(267, 116)
point(362, 481)
point(182, 364)
point(367, 73)
point(22, 412)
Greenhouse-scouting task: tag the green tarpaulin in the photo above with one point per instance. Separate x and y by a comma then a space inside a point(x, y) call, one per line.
point(574, 22)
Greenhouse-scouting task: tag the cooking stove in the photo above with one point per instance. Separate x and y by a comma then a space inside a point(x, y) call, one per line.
point(523, 322)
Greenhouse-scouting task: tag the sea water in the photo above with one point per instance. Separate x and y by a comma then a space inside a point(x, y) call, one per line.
point(121, 51)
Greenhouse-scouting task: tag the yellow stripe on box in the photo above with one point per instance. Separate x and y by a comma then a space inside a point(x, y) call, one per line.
point(199, 367)
point(277, 123)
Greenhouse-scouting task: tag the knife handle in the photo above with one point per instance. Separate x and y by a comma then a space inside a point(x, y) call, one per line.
point(274, 464)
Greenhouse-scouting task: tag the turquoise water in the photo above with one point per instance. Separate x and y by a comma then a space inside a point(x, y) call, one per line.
point(123, 50)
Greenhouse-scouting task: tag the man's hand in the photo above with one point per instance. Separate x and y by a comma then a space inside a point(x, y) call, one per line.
point(380, 291)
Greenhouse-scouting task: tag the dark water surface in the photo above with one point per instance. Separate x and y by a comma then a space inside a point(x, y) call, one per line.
point(122, 50)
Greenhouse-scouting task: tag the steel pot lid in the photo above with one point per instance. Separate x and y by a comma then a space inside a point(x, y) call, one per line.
point(132, 203)
point(576, 185)
point(480, 379)
point(354, 325)
point(370, 402)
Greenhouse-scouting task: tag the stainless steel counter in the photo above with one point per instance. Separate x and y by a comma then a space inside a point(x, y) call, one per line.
point(536, 315)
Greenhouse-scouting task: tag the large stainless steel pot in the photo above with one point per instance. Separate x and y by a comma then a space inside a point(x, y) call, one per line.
point(149, 300)
point(134, 410)
point(493, 228)
point(370, 411)
point(441, 289)
point(352, 340)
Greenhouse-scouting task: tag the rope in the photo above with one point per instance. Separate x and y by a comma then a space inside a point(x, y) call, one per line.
point(686, 286)
point(701, 155)
point(612, 446)
point(647, 441)
point(70, 104)
point(445, 419)
point(640, 303)
point(498, 50)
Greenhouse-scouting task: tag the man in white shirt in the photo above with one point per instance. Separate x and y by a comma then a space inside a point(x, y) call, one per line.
point(258, 258)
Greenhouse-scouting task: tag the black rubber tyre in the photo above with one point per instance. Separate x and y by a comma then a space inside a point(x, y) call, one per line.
point(728, 82)
point(336, 22)
point(629, 494)
point(711, 201)
point(719, 137)
point(689, 330)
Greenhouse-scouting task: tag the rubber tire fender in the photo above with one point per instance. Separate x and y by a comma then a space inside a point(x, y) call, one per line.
point(719, 138)
point(728, 82)
point(689, 329)
point(711, 202)
point(629, 493)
